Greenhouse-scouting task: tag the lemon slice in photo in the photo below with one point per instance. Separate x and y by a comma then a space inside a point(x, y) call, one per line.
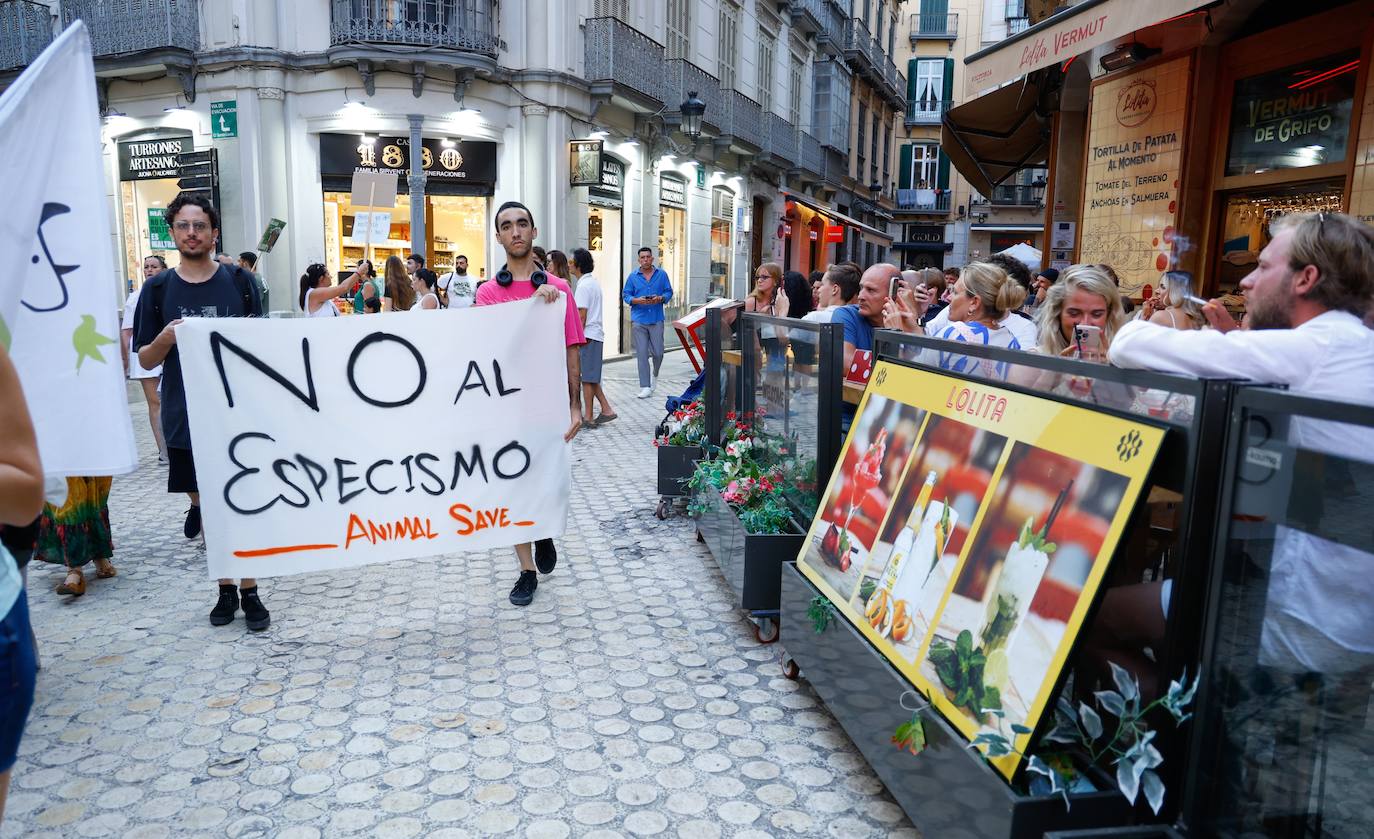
point(995, 670)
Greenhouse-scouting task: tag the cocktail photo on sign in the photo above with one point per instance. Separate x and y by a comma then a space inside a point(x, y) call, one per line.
point(932, 512)
point(856, 502)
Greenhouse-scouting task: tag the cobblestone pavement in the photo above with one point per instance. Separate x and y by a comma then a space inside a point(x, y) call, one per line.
point(411, 698)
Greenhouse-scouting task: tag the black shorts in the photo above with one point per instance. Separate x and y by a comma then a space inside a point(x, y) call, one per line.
point(181, 471)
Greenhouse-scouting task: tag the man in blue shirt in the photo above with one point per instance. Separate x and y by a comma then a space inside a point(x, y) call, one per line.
point(859, 319)
point(646, 290)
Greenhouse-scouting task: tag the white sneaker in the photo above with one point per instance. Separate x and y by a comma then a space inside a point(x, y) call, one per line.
point(646, 392)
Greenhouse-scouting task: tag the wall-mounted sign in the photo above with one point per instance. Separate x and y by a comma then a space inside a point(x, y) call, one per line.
point(1062, 235)
point(610, 189)
point(701, 175)
point(467, 162)
point(584, 162)
point(159, 235)
point(929, 234)
point(224, 120)
point(153, 158)
point(834, 233)
point(672, 190)
point(1295, 117)
point(1131, 184)
point(1003, 512)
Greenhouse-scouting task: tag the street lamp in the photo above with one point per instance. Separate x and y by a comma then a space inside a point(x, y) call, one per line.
point(692, 109)
point(1038, 189)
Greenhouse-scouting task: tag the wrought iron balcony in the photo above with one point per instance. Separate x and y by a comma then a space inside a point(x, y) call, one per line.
point(782, 139)
point(858, 45)
point(934, 27)
point(926, 113)
point(743, 118)
point(807, 15)
point(464, 25)
point(831, 37)
point(124, 27)
point(25, 29)
point(812, 155)
point(620, 58)
point(684, 77)
point(932, 201)
point(1016, 25)
point(1013, 195)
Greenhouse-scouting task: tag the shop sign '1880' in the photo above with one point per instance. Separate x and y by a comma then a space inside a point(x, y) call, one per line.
point(1295, 117)
point(460, 161)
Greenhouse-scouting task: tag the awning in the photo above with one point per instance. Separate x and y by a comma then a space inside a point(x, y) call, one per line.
point(1060, 37)
point(993, 136)
point(835, 215)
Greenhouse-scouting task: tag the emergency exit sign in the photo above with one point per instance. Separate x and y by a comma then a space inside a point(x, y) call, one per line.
point(224, 120)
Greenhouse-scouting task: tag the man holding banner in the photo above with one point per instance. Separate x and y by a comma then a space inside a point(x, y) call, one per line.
point(519, 279)
point(198, 287)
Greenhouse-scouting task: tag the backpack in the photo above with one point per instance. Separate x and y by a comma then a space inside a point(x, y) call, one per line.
point(243, 282)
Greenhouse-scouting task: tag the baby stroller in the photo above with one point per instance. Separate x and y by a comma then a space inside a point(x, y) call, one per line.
point(675, 463)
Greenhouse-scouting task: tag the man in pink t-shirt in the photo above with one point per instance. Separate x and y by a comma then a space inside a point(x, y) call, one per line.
point(523, 279)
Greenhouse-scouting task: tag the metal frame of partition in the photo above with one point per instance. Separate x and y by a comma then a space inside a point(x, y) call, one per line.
point(1180, 467)
point(1203, 756)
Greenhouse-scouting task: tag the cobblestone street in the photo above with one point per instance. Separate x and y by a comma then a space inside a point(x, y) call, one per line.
point(411, 699)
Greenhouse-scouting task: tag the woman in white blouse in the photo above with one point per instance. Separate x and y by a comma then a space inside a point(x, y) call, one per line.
point(318, 292)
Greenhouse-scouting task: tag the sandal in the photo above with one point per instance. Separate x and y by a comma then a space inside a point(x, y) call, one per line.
point(104, 569)
point(602, 419)
point(75, 584)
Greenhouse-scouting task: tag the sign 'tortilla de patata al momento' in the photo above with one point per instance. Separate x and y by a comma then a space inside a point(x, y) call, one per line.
point(57, 286)
point(332, 443)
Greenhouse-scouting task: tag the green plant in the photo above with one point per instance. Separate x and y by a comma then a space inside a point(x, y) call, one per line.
point(960, 669)
point(1036, 541)
point(821, 613)
point(911, 735)
point(768, 515)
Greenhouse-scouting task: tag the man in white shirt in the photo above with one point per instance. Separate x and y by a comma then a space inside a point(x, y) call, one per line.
point(588, 298)
point(1303, 329)
point(457, 286)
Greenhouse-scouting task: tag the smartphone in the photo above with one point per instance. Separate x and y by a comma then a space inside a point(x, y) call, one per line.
point(892, 287)
point(1087, 338)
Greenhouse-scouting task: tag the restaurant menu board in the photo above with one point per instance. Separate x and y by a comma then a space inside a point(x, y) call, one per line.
point(1131, 184)
point(966, 531)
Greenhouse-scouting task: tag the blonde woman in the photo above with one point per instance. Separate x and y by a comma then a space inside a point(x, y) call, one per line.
point(769, 298)
point(979, 312)
point(1175, 305)
point(1084, 296)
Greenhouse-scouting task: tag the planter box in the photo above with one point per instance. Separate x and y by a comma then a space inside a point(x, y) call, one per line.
point(751, 563)
point(675, 465)
point(947, 790)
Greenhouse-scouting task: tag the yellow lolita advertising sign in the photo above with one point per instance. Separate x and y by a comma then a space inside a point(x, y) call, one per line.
point(1130, 190)
point(966, 531)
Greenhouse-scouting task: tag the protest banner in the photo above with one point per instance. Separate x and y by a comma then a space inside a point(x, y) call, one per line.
point(332, 443)
point(57, 289)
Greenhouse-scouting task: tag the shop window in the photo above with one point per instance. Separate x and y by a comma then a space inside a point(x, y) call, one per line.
point(722, 240)
point(1292, 118)
point(1246, 219)
point(145, 229)
point(454, 224)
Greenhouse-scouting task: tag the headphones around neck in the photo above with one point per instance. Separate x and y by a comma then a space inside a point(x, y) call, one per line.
point(504, 277)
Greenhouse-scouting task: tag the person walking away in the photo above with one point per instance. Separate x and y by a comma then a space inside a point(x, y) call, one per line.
point(587, 296)
point(21, 499)
point(458, 289)
point(77, 532)
point(248, 261)
point(318, 293)
point(425, 286)
point(520, 279)
point(197, 287)
point(149, 380)
point(646, 290)
point(1174, 305)
point(398, 296)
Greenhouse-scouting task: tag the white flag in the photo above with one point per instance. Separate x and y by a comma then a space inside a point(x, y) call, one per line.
point(57, 277)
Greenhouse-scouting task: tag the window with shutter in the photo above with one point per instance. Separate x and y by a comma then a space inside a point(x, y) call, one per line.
point(794, 107)
point(679, 27)
point(767, 42)
point(728, 46)
point(928, 85)
point(619, 9)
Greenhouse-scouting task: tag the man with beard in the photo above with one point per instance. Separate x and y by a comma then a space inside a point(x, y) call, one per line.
point(1304, 303)
point(520, 279)
point(457, 286)
point(203, 288)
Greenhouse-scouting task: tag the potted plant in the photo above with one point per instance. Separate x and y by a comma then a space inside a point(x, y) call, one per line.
point(679, 443)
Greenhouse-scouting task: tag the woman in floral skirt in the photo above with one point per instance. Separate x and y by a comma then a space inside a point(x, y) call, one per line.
point(78, 532)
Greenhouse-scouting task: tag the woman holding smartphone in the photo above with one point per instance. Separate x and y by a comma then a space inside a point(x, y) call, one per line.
point(769, 298)
point(1080, 315)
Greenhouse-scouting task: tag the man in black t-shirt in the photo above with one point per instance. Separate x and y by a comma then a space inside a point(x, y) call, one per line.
point(198, 287)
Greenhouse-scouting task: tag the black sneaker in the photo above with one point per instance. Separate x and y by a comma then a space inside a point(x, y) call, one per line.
point(545, 556)
point(192, 526)
point(228, 605)
point(254, 613)
point(523, 593)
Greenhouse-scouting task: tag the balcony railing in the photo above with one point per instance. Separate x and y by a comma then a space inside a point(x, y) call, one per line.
point(119, 27)
point(744, 118)
point(1013, 195)
point(858, 44)
point(782, 139)
point(832, 34)
point(25, 29)
point(934, 201)
point(812, 155)
point(926, 113)
point(466, 25)
point(620, 54)
point(934, 27)
point(807, 15)
point(685, 77)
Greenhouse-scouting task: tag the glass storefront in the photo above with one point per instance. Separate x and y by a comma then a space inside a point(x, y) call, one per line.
point(722, 240)
point(454, 224)
point(148, 171)
point(604, 243)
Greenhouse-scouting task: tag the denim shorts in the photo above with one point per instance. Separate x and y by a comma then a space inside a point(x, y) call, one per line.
point(17, 670)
